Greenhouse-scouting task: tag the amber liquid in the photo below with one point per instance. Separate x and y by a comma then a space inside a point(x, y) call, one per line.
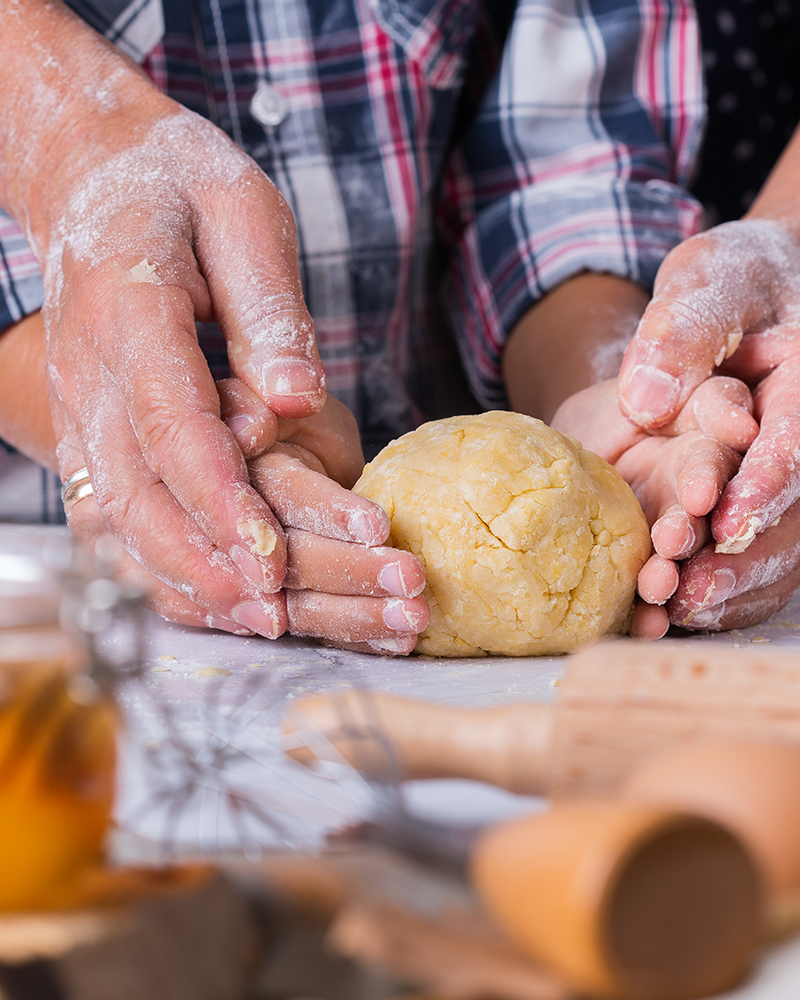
point(57, 769)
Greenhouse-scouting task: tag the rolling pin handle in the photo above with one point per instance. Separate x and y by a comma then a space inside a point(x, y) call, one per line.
point(506, 746)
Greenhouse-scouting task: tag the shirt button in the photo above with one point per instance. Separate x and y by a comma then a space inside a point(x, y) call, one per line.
point(268, 105)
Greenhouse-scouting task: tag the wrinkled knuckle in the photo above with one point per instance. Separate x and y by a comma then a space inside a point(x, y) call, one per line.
point(158, 432)
point(284, 308)
point(693, 315)
point(167, 437)
point(119, 512)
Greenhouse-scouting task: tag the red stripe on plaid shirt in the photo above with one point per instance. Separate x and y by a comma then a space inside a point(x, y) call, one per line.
point(668, 66)
point(21, 262)
point(384, 81)
point(155, 65)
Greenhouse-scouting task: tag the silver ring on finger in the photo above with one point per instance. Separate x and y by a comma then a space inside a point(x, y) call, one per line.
point(76, 488)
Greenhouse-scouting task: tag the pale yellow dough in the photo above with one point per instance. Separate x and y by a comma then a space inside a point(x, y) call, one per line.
point(531, 545)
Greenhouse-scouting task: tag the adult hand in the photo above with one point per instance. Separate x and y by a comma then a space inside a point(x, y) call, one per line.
point(146, 218)
point(728, 301)
point(334, 553)
point(342, 585)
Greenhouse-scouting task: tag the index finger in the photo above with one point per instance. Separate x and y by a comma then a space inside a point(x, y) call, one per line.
point(305, 499)
point(710, 291)
point(246, 244)
point(174, 411)
point(768, 483)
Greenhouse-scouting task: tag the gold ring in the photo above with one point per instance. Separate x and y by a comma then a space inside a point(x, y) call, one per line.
point(76, 488)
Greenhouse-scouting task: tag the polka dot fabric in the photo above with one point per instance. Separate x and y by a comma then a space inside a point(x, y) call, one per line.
point(751, 57)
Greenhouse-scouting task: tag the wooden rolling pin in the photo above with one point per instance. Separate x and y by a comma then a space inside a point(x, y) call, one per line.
point(609, 898)
point(624, 900)
point(618, 702)
point(664, 892)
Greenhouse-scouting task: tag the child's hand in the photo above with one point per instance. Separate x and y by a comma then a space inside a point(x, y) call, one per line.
point(342, 584)
point(677, 475)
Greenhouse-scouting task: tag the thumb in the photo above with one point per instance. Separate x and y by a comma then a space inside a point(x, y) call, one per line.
point(709, 292)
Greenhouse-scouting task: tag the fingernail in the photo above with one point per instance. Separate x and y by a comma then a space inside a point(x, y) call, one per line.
point(743, 537)
point(685, 529)
point(707, 618)
point(684, 537)
point(257, 618)
point(362, 528)
point(238, 424)
point(262, 534)
point(391, 579)
point(396, 617)
point(392, 647)
point(248, 564)
point(651, 394)
point(225, 625)
point(722, 585)
point(292, 377)
point(689, 536)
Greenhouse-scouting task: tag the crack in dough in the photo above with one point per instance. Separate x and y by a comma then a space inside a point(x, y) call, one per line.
point(531, 545)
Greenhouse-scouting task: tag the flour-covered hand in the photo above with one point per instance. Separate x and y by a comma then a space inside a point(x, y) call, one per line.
point(144, 219)
point(677, 474)
point(728, 301)
point(343, 585)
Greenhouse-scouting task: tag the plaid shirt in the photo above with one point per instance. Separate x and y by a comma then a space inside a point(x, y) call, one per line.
point(447, 162)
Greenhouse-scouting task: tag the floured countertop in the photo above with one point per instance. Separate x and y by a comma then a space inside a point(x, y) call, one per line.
point(181, 658)
point(206, 689)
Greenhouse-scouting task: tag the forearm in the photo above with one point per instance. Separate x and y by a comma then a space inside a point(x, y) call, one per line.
point(64, 89)
point(24, 410)
point(573, 338)
point(778, 199)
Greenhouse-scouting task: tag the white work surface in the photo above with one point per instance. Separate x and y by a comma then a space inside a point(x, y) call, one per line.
point(228, 693)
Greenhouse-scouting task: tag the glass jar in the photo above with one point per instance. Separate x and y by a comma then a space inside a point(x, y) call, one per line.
point(58, 719)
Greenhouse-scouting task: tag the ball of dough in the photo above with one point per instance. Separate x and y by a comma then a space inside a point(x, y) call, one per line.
point(531, 545)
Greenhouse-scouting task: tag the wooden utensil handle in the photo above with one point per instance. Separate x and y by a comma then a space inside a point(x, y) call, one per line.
point(783, 916)
point(504, 746)
point(618, 703)
point(624, 900)
point(622, 701)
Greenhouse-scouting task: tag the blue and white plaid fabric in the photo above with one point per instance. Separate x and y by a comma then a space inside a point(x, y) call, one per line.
point(447, 161)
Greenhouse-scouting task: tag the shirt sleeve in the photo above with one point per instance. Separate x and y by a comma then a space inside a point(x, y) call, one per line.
point(576, 160)
point(21, 288)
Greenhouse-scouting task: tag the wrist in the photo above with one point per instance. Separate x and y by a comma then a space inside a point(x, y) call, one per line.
point(25, 420)
point(571, 339)
point(66, 92)
point(775, 222)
